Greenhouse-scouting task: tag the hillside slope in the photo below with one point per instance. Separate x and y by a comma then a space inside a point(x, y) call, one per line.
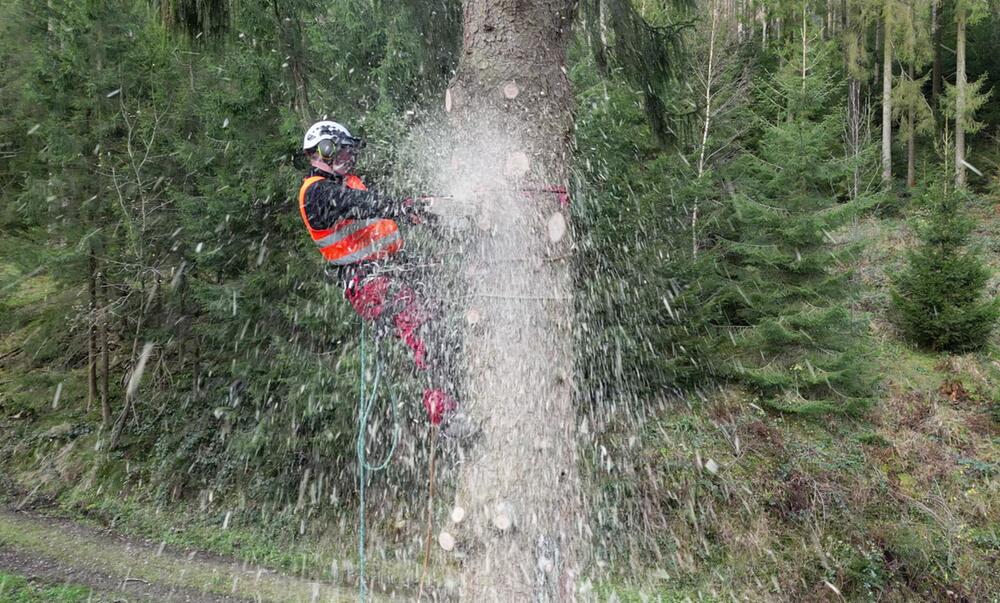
point(713, 498)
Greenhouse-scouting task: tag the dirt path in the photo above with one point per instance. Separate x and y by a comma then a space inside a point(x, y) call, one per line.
point(60, 551)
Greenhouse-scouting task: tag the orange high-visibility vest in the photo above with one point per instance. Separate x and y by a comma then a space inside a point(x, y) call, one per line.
point(352, 241)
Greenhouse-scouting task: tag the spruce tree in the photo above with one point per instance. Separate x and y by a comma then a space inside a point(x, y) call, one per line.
point(782, 296)
point(938, 298)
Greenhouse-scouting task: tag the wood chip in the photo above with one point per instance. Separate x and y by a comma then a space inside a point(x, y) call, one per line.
point(446, 540)
point(503, 518)
point(557, 227)
point(518, 164)
point(510, 90)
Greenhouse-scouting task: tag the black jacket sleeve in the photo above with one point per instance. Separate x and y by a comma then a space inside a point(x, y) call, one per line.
point(328, 201)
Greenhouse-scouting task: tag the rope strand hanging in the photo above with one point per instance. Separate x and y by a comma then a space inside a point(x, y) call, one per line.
point(366, 404)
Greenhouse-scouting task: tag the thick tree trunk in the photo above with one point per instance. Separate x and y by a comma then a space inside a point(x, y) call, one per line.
point(960, 85)
point(887, 94)
point(510, 105)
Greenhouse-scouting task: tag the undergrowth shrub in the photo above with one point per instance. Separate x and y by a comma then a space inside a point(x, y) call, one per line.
point(939, 297)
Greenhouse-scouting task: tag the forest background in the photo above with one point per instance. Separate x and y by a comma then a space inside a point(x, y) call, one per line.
point(779, 406)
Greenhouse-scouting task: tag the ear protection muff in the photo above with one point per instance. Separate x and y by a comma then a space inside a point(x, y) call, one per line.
point(327, 148)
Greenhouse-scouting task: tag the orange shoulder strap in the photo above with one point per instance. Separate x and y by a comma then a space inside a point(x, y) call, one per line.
point(302, 196)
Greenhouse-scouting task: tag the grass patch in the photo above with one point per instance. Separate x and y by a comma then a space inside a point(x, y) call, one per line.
point(899, 504)
point(325, 551)
point(17, 589)
point(72, 547)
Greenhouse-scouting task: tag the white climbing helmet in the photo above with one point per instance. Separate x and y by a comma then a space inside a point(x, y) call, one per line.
point(331, 147)
point(325, 130)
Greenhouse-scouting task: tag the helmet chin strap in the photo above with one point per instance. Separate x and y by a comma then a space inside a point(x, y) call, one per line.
point(336, 168)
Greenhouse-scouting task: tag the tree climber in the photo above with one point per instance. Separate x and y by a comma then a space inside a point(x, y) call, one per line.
point(357, 233)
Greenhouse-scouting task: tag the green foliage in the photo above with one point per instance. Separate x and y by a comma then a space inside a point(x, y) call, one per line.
point(975, 98)
point(646, 48)
point(908, 98)
point(639, 333)
point(939, 296)
point(783, 288)
point(172, 157)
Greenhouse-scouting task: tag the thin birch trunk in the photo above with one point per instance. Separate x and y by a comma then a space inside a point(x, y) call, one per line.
point(887, 94)
point(706, 123)
point(960, 91)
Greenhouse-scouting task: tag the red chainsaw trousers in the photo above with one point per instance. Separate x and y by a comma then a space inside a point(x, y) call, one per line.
point(383, 299)
point(379, 295)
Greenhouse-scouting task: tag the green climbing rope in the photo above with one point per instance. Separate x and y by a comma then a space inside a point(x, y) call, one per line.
point(366, 404)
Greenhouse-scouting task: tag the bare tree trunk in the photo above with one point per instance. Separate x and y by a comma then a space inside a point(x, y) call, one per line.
point(936, 68)
point(707, 121)
point(196, 368)
point(887, 94)
point(763, 26)
point(92, 331)
point(911, 142)
point(511, 102)
point(854, 114)
point(960, 86)
point(105, 356)
point(854, 132)
point(804, 46)
point(50, 21)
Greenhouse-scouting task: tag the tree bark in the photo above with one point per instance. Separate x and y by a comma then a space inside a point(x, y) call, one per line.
point(105, 357)
point(960, 90)
point(911, 142)
point(887, 94)
point(937, 64)
point(510, 104)
point(196, 369)
point(92, 330)
point(706, 121)
point(805, 47)
point(854, 114)
point(855, 129)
